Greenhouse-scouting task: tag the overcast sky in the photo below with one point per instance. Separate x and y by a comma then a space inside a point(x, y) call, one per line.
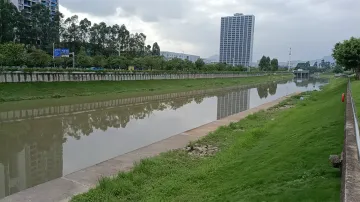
point(310, 27)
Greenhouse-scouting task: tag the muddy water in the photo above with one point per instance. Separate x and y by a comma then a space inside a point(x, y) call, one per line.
point(39, 144)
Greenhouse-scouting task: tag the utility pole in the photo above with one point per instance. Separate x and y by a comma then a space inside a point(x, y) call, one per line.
point(73, 54)
point(54, 54)
point(289, 66)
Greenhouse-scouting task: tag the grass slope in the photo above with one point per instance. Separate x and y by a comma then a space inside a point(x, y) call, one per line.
point(355, 88)
point(43, 90)
point(273, 155)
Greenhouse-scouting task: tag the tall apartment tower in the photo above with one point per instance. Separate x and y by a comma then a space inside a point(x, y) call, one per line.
point(53, 5)
point(236, 39)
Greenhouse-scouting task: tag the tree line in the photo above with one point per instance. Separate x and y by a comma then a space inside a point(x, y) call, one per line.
point(27, 39)
point(13, 54)
point(37, 28)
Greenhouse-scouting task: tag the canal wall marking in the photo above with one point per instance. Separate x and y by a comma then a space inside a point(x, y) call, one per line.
point(64, 188)
point(19, 76)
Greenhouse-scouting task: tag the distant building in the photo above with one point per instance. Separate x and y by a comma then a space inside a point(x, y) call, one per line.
point(171, 55)
point(232, 103)
point(53, 5)
point(236, 39)
point(207, 61)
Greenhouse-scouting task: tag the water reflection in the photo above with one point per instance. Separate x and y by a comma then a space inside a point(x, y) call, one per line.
point(38, 145)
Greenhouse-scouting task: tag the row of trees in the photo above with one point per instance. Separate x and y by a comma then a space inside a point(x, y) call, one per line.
point(266, 64)
point(36, 27)
point(12, 54)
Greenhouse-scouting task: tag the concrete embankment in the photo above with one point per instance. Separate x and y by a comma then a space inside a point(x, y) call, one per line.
point(62, 189)
point(350, 186)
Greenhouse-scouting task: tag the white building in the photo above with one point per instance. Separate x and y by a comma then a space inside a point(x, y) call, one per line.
point(53, 5)
point(170, 55)
point(236, 39)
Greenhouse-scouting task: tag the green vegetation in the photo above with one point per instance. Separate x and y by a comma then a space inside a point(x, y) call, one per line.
point(276, 155)
point(41, 90)
point(28, 38)
point(346, 54)
point(355, 88)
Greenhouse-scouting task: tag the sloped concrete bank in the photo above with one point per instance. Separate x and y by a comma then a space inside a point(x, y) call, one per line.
point(62, 189)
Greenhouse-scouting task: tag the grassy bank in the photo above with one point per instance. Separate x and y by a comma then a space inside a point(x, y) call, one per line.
point(276, 155)
point(355, 88)
point(33, 91)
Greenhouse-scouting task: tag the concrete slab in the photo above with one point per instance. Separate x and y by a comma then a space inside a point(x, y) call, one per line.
point(81, 181)
point(55, 190)
point(350, 179)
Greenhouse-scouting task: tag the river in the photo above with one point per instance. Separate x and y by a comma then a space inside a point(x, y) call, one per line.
point(39, 144)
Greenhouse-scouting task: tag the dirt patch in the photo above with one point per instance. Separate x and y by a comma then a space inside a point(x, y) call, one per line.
point(201, 150)
point(286, 107)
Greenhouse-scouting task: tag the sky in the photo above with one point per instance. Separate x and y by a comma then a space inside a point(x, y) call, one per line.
point(310, 27)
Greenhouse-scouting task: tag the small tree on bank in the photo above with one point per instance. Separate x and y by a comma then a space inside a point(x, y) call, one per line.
point(274, 64)
point(199, 63)
point(347, 54)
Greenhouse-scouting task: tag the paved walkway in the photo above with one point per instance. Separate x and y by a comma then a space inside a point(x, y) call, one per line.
point(62, 189)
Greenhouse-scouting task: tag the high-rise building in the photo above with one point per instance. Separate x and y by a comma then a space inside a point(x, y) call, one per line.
point(53, 5)
point(232, 103)
point(236, 39)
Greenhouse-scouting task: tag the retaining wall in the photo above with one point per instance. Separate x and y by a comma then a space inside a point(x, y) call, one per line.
point(18, 76)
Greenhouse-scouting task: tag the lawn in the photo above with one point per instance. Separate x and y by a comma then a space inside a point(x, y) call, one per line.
point(355, 88)
point(276, 155)
point(44, 90)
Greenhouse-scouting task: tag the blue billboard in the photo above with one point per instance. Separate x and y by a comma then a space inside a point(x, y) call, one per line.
point(60, 52)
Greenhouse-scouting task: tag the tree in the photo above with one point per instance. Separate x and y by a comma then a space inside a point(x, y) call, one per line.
point(38, 58)
point(188, 65)
point(265, 63)
point(14, 54)
point(9, 17)
point(274, 64)
point(347, 54)
point(2, 60)
point(99, 61)
point(83, 60)
point(199, 63)
point(116, 62)
point(338, 69)
point(156, 49)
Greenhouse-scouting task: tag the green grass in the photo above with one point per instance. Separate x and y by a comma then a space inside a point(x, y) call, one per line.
point(355, 88)
point(274, 155)
point(41, 90)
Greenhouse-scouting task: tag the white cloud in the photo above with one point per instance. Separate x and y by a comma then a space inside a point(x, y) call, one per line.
point(310, 27)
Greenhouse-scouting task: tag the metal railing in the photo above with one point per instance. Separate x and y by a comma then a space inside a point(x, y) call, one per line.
point(357, 134)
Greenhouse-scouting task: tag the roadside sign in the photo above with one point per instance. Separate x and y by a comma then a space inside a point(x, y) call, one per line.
point(61, 52)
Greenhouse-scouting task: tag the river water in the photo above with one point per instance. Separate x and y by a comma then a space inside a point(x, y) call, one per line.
point(39, 144)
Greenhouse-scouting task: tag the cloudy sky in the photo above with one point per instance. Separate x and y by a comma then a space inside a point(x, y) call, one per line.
point(310, 27)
